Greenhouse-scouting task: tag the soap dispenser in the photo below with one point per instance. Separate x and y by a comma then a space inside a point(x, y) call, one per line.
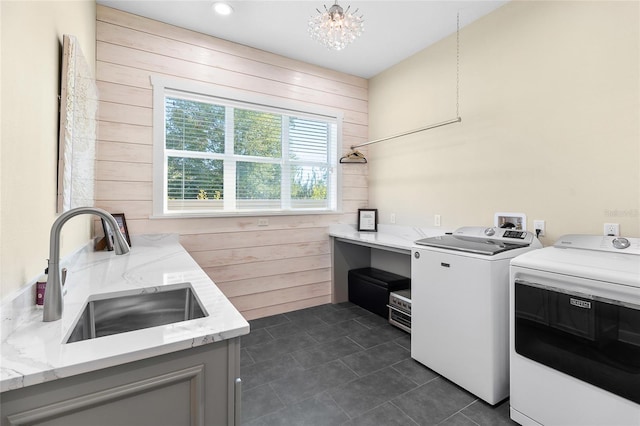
point(41, 286)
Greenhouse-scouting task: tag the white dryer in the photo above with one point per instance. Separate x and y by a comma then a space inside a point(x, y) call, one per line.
point(460, 306)
point(575, 333)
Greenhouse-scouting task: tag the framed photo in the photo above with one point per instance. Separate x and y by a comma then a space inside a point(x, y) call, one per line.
point(368, 220)
point(122, 224)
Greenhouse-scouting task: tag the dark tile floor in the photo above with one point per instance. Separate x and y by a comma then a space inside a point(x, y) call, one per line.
point(342, 365)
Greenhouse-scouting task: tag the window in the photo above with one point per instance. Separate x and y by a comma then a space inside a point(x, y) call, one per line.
point(220, 154)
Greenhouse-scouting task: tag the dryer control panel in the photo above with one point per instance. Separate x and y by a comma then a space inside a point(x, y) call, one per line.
point(600, 243)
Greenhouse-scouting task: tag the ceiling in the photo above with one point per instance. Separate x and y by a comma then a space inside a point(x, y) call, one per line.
point(394, 30)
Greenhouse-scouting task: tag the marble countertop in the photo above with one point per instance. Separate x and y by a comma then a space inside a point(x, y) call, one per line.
point(34, 352)
point(388, 236)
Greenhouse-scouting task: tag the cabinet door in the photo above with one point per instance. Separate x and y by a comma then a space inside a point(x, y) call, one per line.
point(194, 387)
point(168, 399)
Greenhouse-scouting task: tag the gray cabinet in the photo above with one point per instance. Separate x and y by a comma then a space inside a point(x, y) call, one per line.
point(194, 387)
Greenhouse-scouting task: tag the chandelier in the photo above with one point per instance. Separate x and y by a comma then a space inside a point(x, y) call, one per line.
point(335, 27)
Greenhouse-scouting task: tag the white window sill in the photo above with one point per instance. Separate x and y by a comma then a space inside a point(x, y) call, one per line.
point(242, 214)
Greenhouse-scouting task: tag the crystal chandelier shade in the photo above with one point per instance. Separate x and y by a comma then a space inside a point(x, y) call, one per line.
point(335, 27)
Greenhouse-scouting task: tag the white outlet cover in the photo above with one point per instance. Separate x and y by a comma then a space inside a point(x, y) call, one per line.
point(539, 224)
point(612, 229)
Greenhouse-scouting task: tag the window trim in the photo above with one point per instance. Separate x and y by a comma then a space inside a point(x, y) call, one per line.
point(162, 86)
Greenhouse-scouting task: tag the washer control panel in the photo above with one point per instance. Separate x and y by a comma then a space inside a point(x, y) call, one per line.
point(506, 235)
point(519, 235)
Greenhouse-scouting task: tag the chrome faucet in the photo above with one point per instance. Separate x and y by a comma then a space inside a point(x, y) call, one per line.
point(53, 303)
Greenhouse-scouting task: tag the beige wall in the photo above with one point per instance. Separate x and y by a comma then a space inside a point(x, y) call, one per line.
point(549, 96)
point(31, 47)
point(263, 270)
point(550, 102)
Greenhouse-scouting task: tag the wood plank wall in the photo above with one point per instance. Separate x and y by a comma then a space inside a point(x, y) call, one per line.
point(263, 270)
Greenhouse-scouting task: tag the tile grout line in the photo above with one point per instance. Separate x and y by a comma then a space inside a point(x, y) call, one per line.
point(461, 413)
point(467, 417)
point(402, 411)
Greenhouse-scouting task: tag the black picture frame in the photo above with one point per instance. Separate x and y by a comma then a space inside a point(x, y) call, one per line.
point(122, 224)
point(368, 220)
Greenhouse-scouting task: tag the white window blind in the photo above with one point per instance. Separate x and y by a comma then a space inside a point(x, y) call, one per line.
point(223, 155)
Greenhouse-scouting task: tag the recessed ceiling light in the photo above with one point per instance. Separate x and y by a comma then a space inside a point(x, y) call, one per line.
point(222, 8)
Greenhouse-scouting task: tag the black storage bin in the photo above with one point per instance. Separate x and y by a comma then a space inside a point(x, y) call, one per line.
point(370, 288)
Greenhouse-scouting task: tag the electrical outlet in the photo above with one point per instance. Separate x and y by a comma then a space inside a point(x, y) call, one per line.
point(436, 220)
point(263, 222)
point(612, 229)
point(539, 225)
point(392, 218)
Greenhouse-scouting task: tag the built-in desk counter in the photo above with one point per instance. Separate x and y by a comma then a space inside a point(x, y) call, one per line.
point(389, 249)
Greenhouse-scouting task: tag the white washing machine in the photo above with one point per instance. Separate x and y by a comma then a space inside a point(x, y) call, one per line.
point(575, 333)
point(460, 306)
